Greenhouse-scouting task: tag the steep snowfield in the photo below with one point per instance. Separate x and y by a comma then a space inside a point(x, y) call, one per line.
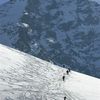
point(24, 77)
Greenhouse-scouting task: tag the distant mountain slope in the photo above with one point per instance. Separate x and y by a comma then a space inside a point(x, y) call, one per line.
point(24, 77)
point(65, 31)
point(3, 1)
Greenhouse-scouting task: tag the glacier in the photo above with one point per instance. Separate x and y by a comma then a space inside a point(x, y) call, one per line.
point(25, 77)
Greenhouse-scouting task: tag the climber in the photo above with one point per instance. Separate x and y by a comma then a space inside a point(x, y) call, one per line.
point(67, 72)
point(65, 98)
point(64, 66)
point(63, 77)
point(69, 69)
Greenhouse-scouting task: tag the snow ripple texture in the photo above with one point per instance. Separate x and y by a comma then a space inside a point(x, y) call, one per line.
point(24, 77)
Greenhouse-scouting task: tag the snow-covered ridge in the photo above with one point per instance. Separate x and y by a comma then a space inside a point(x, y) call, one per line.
point(24, 77)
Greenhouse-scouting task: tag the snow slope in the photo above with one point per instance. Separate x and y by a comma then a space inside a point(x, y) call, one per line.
point(24, 77)
point(3, 1)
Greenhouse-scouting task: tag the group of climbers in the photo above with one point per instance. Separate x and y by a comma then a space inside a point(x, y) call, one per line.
point(63, 77)
point(67, 72)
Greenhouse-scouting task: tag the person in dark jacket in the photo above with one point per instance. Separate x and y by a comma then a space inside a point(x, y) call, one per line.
point(65, 98)
point(69, 69)
point(63, 78)
point(67, 72)
point(64, 66)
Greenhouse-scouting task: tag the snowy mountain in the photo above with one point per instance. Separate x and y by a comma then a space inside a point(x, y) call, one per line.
point(24, 77)
point(3, 1)
point(65, 31)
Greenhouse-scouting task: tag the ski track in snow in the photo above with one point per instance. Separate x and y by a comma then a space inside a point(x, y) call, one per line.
point(24, 77)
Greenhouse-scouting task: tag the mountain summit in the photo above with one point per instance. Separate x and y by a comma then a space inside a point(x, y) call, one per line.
point(24, 77)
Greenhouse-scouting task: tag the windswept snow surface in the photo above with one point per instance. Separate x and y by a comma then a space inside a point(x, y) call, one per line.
point(24, 77)
point(3, 1)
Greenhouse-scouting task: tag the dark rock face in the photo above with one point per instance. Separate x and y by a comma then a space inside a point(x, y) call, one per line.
point(64, 31)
